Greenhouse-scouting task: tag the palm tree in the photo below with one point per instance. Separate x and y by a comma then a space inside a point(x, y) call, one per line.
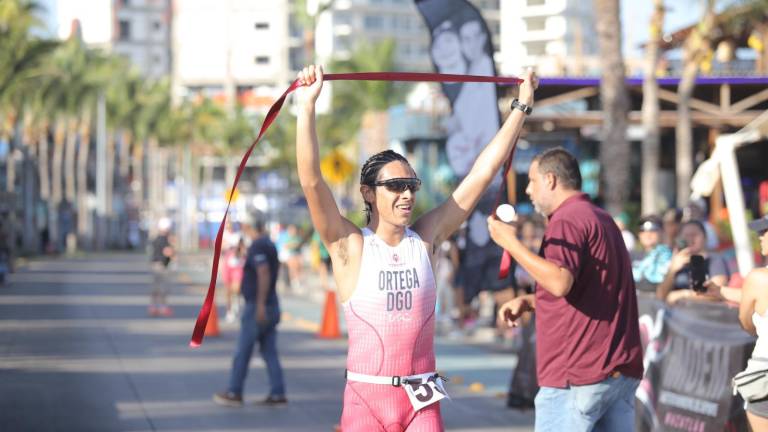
point(614, 148)
point(155, 104)
point(21, 57)
point(122, 112)
point(66, 95)
point(697, 47)
point(94, 83)
point(650, 113)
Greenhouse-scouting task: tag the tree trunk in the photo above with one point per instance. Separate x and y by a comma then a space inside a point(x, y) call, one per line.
point(110, 172)
point(137, 163)
point(30, 189)
point(696, 47)
point(84, 214)
point(650, 111)
point(109, 222)
point(684, 134)
point(123, 187)
point(69, 162)
point(614, 148)
point(10, 164)
point(29, 238)
point(125, 154)
point(156, 183)
point(43, 169)
point(56, 183)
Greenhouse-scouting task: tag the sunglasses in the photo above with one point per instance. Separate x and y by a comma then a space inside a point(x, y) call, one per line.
point(400, 184)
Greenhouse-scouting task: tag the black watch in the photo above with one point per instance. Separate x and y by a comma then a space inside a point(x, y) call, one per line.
point(521, 106)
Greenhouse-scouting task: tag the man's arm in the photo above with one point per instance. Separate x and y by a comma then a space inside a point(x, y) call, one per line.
point(439, 223)
point(557, 280)
point(264, 277)
point(326, 218)
point(679, 260)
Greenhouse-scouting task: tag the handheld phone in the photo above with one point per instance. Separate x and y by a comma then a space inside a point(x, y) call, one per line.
point(698, 273)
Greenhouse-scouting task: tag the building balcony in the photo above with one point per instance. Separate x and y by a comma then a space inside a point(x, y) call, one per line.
point(548, 8)
point(549, 34)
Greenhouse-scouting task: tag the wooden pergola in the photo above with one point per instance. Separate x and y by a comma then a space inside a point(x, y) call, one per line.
point(718, 102)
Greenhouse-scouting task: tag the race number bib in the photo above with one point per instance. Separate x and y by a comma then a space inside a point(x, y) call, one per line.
point(424, 390)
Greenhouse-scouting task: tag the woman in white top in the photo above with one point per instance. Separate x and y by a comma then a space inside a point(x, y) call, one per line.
point(753, 315)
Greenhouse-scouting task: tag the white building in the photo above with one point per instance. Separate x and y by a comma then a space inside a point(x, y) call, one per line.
point(557, 37)
point(136, 29)
point(142, 33)
point(350, 22)
point(234, 48)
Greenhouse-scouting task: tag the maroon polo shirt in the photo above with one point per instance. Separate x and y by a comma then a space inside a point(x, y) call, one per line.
point(593, 331)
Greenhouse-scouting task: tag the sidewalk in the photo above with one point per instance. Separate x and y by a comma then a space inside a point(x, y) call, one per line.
point(77, 352)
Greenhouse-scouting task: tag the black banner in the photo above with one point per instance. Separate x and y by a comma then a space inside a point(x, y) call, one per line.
point(692, 351)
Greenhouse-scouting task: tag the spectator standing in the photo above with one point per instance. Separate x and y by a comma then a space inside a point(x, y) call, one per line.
point(232, 270)
point(588, 351)
point(163, 252)
point(259, 321)
point(650, 265)
point(676, 284)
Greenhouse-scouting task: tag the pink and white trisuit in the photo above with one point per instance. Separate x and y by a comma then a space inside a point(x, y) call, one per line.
point(391, 325)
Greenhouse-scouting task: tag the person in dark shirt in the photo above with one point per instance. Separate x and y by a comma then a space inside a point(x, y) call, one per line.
point(676, 285)
point(259, 320)
point(163, 252)
point(588, 351)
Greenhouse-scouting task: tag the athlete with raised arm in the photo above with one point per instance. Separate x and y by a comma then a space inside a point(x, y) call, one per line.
point(385, 271)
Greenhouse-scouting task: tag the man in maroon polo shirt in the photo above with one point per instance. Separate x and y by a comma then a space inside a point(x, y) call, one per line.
point(588, 352)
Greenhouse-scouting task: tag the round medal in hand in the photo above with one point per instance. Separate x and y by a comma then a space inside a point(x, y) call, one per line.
point(505, 213)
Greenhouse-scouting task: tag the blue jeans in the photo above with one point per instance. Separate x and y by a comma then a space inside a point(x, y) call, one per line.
point(608, 405)
point(266, 335)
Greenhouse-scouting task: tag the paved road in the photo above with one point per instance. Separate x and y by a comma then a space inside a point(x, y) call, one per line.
point(78, 353)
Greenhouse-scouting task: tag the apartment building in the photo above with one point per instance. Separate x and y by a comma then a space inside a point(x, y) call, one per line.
point(231, 50)
point(141, 32)
point(350, 22)
point(557, 37)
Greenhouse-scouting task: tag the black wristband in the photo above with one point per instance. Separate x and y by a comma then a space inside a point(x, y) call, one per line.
point(521, 106)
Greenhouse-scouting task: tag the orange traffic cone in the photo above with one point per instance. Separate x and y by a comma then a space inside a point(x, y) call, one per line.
point(212, 326)
point(329, 328)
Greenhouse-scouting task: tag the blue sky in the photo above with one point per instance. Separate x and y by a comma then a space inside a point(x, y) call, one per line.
point(636, 15)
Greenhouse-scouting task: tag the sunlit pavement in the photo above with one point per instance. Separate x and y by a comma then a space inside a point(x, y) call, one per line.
point(79, 353)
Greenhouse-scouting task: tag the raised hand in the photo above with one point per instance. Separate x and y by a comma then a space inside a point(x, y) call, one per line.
point(527, 87)
point(311, 78)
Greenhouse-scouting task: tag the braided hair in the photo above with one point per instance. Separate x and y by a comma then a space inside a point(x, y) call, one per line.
point(370, 172)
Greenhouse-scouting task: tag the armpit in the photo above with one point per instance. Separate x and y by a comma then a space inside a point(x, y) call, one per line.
point(342, 251)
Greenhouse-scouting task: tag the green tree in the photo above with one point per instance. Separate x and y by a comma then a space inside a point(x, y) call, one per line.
point(351, 99)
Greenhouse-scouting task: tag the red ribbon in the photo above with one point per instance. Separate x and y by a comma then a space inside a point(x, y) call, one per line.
point(205, 310)
point(506, 258)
